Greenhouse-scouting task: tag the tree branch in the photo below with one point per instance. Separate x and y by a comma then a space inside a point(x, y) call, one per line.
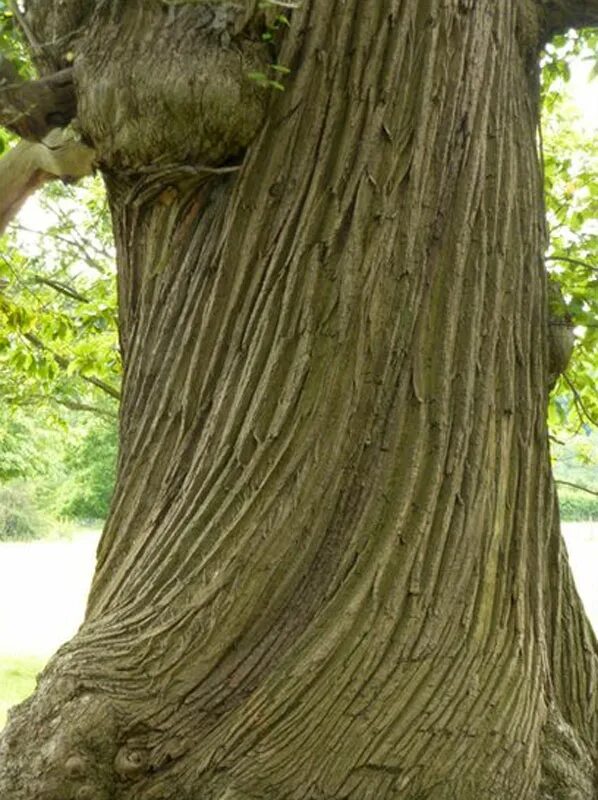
point(578, 262)
point(29, 165)
point(19, 178)
point(579, 404)
point(65, 363)
point(560, 15)
point(62, 288)
point(72, 405)
point(32, 108)
point(578, 486)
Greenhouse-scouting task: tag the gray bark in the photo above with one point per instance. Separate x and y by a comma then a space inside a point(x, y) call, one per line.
point(333, 567)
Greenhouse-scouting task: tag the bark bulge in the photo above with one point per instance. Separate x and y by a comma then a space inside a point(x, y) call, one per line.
point(169, 87)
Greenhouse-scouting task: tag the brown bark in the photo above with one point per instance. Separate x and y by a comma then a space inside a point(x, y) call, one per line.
point(31, 109)
point(333, 567)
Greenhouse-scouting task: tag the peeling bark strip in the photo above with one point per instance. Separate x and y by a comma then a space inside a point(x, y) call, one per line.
point(333, 567)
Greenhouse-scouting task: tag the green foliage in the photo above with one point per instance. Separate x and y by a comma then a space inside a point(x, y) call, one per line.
point(20, 519)
point(18, 452)
point(59, 361)
point(90, 463)
point(17, 681)
point(275, 22)
point(58, 325)
point(570, 167)
point(576, 469)
point(54, 473)
point(577, 506)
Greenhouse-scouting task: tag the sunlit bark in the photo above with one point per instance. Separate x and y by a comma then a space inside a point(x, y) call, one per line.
point(28, 165)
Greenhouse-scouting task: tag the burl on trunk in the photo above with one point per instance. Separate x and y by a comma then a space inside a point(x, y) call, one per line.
point(333, 567)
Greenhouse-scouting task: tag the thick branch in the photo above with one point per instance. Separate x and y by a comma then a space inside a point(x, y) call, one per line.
point(32, 108)
point(560, 15)
point(19, 178)
point(29, 165)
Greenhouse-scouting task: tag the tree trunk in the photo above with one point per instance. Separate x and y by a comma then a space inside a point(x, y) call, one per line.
point(333, 567)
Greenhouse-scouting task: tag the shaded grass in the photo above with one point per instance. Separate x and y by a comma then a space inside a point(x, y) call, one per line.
point(17, 680)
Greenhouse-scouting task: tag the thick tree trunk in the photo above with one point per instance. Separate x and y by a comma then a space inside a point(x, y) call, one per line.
point(333, 567)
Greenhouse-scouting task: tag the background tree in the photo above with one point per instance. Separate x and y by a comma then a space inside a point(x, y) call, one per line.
point(59, 361)
point(333, 566)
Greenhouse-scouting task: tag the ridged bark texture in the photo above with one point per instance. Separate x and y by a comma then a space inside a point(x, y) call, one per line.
point(333, 567)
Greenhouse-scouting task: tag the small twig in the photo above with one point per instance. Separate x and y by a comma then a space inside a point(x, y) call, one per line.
point(576, 261)
point(577, 486)
point(64, 363)
point(91, 262)
point(579, 402)
point(24, 25)
point(72, 405)
point(62, 288)
point(553, 438)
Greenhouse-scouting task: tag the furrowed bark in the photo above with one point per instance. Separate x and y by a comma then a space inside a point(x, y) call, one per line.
point(333, 567)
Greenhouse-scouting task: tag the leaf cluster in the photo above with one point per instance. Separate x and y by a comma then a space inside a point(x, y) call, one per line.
point(570, 151)
point(276, 20)
point(58, 323)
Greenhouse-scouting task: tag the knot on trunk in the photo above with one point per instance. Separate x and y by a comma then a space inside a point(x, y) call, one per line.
point(568, 771)
point(131, 764)
point(561, 338)
point(176, 90)
point(72, 754)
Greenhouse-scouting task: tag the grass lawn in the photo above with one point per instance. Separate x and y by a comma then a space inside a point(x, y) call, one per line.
point(17, 680)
